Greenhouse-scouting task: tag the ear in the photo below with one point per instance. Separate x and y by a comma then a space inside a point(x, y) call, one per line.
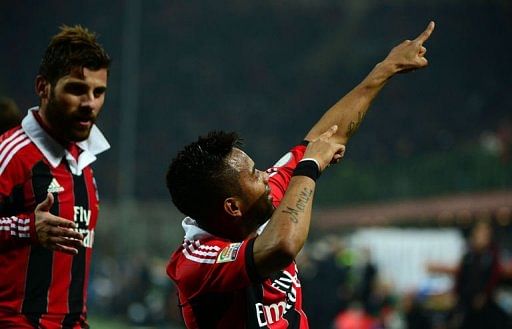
point(232, 206)
point(42, 87)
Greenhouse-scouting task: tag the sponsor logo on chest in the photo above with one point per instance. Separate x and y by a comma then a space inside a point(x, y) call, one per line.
point(288, 284)
point(82, 218)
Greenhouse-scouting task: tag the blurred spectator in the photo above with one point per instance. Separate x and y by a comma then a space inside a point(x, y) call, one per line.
point(324, 287)
point(504, 135)
point(476, 279)
point(355, 319)
point(367, 285)
point(10, 115)
point(415, 315)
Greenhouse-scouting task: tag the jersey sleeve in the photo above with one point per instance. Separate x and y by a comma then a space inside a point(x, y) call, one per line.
point(213, 267)
point(281, 172)
point(17, 224)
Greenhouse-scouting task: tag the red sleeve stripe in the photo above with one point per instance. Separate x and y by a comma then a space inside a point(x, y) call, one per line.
point(10, 147)
point(17, 226)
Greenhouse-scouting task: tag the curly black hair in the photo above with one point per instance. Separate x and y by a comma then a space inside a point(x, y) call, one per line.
point(199, 178)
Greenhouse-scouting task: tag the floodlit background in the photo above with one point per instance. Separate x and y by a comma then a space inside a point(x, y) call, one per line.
point(432, 157)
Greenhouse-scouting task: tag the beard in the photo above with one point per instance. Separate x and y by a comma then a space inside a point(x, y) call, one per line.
point(63, 122)
point(261, 210)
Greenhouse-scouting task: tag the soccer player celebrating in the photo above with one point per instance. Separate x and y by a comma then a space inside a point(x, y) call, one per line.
point(48, 200)
point(244, 227)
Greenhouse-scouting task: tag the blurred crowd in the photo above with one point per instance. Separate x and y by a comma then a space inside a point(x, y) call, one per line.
point(343, 288)
point(134, 290)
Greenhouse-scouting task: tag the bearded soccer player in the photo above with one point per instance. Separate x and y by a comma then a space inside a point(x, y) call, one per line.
point(48, 197)
point(244, 227)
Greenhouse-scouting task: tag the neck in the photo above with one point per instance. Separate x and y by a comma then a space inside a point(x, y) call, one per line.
point(43, 122)
point(229, 229)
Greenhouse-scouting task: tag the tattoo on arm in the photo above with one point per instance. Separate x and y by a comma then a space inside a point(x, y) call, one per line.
point(294, 214)
point(301, 204)
point(353, 126)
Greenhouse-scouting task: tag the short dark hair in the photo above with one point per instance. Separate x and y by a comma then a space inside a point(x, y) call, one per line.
point(10, 115)
point(199, 178)
point(73, 46)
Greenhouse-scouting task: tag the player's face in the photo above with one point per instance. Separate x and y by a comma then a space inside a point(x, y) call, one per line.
point(257, 200)
point(74, 103)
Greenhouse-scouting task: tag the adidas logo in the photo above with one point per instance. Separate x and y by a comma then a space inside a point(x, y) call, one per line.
point(55, 187)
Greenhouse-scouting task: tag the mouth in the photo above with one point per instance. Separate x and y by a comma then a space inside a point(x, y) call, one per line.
point(85, 122)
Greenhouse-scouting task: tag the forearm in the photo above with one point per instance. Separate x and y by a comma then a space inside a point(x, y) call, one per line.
point(288, 228)
point(350, 110)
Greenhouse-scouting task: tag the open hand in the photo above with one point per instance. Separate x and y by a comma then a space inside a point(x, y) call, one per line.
point(56, 233)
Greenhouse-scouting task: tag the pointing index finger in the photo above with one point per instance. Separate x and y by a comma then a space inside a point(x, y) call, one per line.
point(331, 131)
point(426, 34)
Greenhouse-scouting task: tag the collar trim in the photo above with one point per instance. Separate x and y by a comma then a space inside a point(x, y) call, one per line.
point(193, 231)
point(54, 152)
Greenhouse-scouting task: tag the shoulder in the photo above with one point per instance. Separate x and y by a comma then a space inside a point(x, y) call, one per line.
point(198, 256)
point(200, 251)
point(15, 149)
point(192, 260)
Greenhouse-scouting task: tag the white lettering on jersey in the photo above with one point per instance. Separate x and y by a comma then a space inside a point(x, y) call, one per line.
point(82, 218)
point(287, 284)
point(268, 314)
point(82, 215)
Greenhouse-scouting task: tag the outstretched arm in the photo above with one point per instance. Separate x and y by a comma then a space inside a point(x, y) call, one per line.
point(349, 111)
point(52, 232)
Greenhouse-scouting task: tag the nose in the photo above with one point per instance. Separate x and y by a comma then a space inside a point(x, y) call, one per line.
point(89, 101)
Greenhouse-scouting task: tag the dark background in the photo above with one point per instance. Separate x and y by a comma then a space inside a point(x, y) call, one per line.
point(269, 69)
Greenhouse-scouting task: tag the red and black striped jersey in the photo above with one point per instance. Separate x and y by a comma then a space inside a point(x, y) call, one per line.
point(36, 281)
point(218, 285)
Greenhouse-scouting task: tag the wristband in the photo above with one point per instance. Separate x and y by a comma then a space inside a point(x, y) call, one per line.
point(307, 167)
point(312, 159)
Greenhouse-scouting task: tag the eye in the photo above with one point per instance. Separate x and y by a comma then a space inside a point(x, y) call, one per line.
point(99, 91)
point(75, 89)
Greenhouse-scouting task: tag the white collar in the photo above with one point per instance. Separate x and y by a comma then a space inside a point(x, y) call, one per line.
point(194, 232)
point(53, 151)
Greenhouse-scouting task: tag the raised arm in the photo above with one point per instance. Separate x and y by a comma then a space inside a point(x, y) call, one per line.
point(288, 227)
point(350, 110)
